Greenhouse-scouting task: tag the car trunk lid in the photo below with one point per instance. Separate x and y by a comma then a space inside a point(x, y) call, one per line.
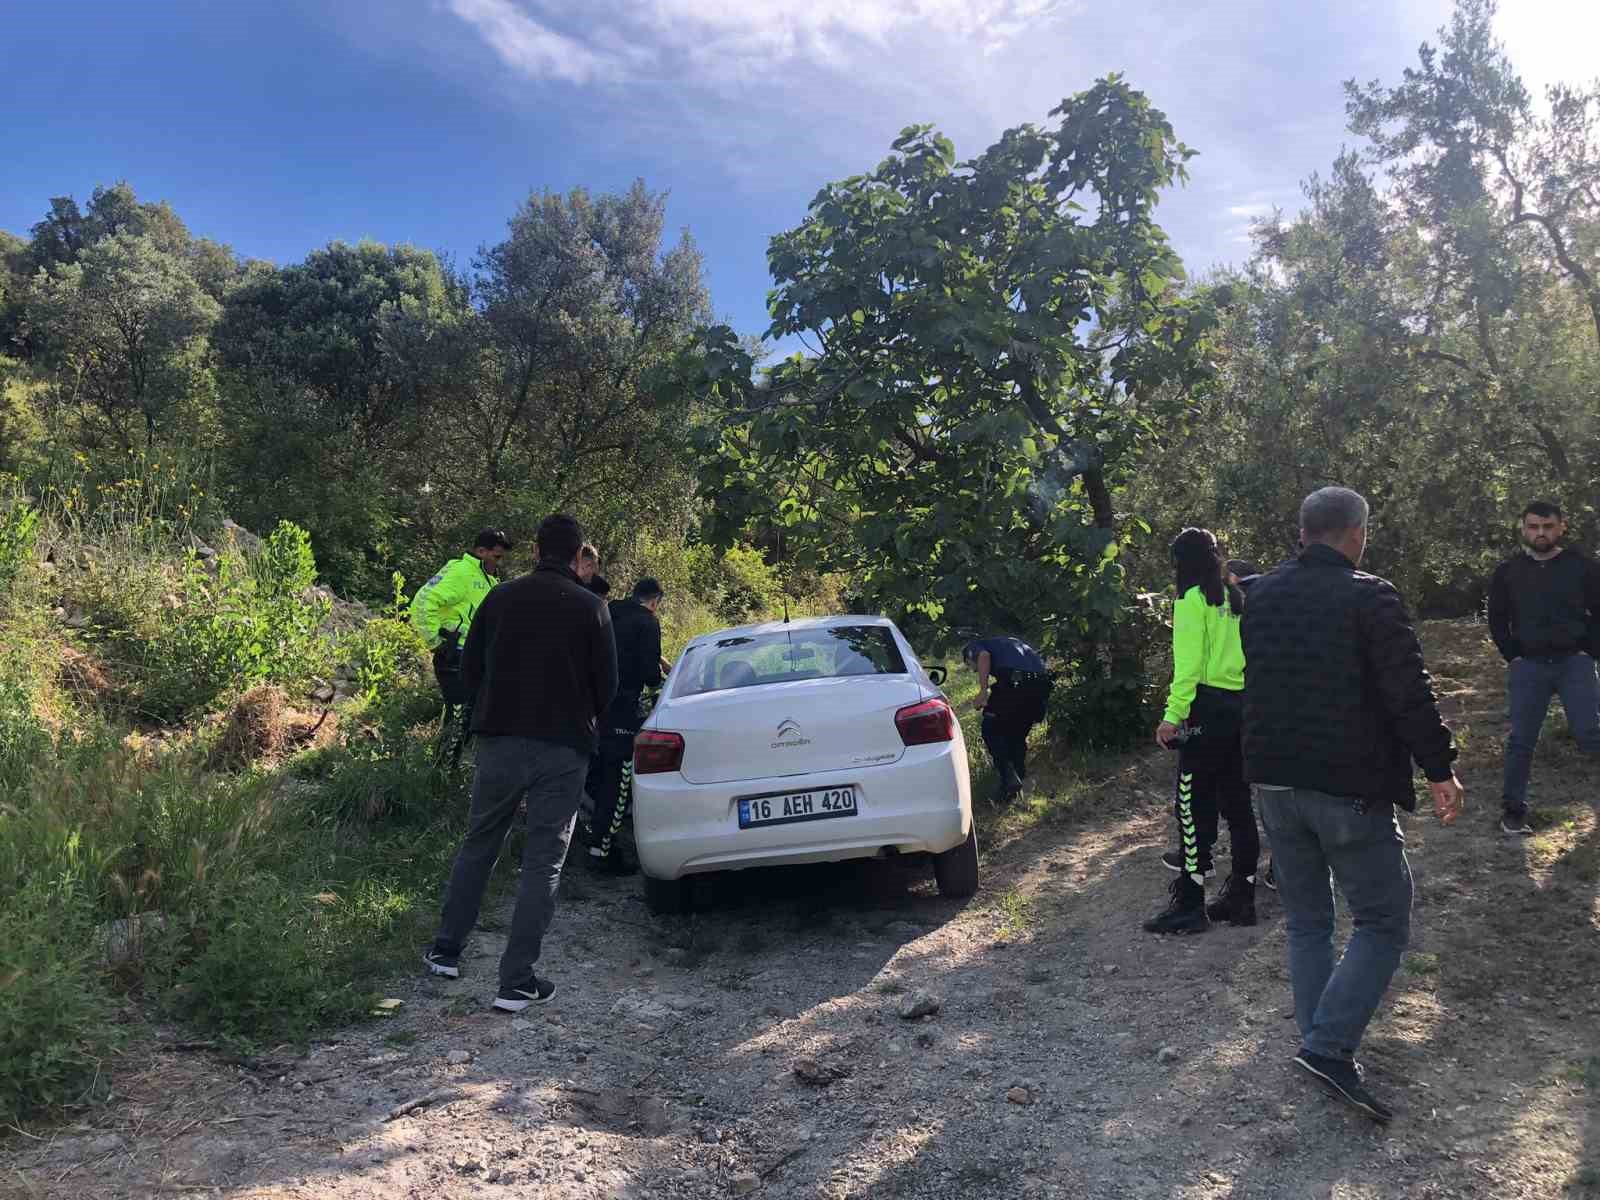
point(792, 728)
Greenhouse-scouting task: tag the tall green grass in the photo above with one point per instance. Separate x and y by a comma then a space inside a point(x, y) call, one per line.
point(266, 902)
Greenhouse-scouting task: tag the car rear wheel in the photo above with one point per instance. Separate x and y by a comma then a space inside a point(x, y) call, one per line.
point(666, 896)
point(956, 869)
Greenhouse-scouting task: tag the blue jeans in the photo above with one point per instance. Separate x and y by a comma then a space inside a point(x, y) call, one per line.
point(551, 776)
point(1317, 838)
point(1530, 682)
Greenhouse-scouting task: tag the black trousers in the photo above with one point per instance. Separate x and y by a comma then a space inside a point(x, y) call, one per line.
point(447, 672)
point(610, 788)
point(1211, 784)
point(1006, 739)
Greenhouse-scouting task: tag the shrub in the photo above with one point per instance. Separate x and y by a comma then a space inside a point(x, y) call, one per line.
point(385, 651)
point(384, 771)
point(1108, 700)
point(23, 738)
point(56, 1017)
point(19, 532)
point(259, 966)
point(228, 628)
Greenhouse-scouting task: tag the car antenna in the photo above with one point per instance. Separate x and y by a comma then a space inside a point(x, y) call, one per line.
point(783, 579)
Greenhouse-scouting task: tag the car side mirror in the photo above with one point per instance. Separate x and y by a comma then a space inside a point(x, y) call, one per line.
point(938, 675)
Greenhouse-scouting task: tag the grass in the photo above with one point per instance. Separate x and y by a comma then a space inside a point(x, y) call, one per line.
point(283, 892)
point(1586, 1073)
point(1014, 912)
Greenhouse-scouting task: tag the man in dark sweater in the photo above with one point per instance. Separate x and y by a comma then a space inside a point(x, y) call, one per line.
point(1544, 615)
point(542, 663)
point(640, 667)
point(1337, 704)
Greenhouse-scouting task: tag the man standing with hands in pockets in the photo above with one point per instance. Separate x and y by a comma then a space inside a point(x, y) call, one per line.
point(543, 664)
point(1337, 705)
point(1544, 614)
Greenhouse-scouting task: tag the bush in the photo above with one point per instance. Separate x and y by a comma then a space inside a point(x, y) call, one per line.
point(385, 772)
point(227, 628)
point(56, 1017)
point(23, 738)
point(19, 532)
point(386, 651)
point(264, 965)
point(1106, 700)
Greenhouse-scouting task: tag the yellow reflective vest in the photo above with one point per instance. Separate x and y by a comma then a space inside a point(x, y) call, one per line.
point(450, 598)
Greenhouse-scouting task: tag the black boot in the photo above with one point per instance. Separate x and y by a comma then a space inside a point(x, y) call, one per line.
point(1237, 902)
point(1186, 913)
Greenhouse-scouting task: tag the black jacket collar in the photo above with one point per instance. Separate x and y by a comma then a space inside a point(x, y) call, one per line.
point(1319, 554)
point(560, 569)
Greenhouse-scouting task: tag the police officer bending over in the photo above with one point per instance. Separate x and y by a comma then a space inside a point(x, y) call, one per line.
point(1012, 705)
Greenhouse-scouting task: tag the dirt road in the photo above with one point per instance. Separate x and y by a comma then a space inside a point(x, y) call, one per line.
point(759, 1046)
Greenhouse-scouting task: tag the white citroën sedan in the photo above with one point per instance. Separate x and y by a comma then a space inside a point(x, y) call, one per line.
point(813, 741)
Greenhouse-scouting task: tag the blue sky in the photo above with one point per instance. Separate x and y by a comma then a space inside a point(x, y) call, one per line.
point(277, 127)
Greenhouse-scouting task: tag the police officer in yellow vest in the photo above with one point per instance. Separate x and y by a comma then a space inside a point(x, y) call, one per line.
point(443, 608)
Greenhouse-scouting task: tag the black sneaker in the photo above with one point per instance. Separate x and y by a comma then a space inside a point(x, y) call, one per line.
point(1516, 824)
point(1344, 1080)
point(1270, 879)
point(1185, 913)
point(1172, 860)
point(532, 990)
point(440, 963)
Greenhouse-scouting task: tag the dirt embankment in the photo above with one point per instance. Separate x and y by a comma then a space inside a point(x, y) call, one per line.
point(759, 1047)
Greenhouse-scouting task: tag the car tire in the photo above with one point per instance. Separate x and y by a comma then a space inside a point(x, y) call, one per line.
point(666, 896)
point(956, 869)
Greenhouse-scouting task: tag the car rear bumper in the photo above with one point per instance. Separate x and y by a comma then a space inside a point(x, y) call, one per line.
point(923, 803)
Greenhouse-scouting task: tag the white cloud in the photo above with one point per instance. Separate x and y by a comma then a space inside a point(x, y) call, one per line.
point(532, 48)
point(711, 42)
point(1551, 41)
point(769, 98)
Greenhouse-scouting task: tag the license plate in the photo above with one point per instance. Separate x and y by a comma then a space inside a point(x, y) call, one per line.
point(788, 808)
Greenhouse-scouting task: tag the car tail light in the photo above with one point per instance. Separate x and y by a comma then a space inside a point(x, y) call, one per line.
point(930, 721)
point(655, 752)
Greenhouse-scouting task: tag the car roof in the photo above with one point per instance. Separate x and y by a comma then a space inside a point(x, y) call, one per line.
point(798, 623)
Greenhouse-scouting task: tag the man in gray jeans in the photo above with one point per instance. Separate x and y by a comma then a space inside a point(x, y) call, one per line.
point(542, 662)
point(1337, 705)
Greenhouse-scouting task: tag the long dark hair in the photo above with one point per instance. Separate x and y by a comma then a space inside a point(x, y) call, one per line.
point(1197, 562)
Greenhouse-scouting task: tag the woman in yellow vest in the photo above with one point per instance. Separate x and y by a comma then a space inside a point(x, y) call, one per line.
point(1202, 721)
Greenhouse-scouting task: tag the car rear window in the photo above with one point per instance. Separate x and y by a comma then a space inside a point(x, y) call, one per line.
point(753, 660)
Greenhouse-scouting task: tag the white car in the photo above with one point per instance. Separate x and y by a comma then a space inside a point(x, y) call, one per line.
point(810, 741)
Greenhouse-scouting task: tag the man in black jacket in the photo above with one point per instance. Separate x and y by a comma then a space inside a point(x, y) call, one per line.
point(1337, 704)
point(1544, 615)
point(544, 668)
point(639, 668)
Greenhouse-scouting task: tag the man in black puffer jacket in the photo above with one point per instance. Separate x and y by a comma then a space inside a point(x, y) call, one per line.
point(1337, 704)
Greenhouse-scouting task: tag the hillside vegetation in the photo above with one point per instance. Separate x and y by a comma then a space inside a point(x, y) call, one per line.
point(221, 478)
point(219, 800)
